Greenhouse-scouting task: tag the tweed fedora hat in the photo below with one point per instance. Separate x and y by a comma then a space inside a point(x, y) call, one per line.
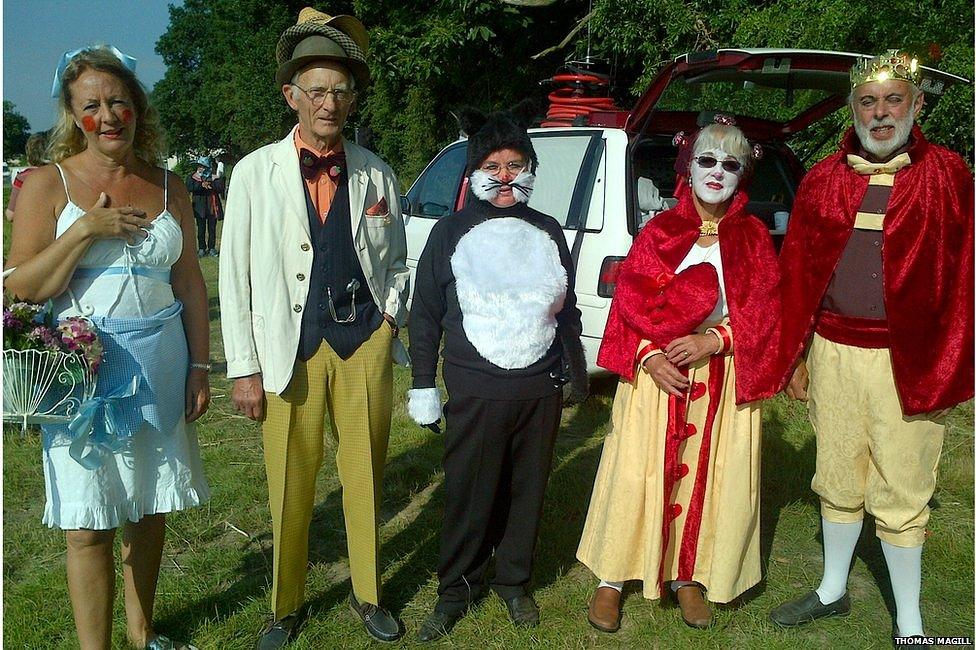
point(318, 36)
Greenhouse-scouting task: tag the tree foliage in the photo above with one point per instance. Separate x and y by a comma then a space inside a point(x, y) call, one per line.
point(640, 36)
point(16, 130)
point(430, 58)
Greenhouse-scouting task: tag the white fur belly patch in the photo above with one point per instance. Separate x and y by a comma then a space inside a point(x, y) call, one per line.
point(510, 286)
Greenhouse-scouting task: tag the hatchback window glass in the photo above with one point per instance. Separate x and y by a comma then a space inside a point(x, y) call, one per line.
point(739, 98)
point(560, 160)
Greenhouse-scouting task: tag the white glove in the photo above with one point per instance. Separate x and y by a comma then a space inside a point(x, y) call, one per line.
point(424, 405)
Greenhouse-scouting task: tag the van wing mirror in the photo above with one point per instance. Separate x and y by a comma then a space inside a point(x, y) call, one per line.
point(404, 204)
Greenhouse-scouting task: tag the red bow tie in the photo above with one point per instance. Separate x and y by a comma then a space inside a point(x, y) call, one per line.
point(312, 164)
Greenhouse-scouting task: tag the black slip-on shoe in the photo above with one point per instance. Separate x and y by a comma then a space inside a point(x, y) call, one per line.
point(278, 634)
point(379, 623)
point(439, 624)
point(808, 608)
point(523, 611)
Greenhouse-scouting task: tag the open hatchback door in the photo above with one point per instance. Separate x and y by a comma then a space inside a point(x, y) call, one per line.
point(774, 93)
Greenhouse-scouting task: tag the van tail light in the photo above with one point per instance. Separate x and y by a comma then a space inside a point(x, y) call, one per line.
point(608, 276)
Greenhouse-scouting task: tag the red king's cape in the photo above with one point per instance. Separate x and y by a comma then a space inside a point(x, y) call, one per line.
point(927, 262)
point(649, 304)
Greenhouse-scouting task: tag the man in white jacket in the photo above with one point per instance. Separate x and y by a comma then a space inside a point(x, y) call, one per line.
point(313, 281)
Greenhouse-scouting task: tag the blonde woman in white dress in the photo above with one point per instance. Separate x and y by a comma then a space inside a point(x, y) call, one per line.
point(106, 234)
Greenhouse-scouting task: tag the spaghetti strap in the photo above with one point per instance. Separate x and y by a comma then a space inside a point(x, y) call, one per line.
point(64, 181)
point(165, 189)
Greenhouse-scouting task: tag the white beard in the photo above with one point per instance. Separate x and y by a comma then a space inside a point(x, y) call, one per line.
point(881, 149)
point(510, 285)
point(485, 186)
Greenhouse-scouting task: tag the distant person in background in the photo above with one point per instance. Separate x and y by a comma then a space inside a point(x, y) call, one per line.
point(206, 190)
point(36, 152)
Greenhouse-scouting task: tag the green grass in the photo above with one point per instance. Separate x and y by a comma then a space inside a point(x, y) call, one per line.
point(214, 587)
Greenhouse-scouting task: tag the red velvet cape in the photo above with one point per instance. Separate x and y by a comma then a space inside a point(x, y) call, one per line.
point(752, 291)
point(927, 265)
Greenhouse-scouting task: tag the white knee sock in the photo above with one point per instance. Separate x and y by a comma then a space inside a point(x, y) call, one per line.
point(905, 571)
point(839, 541)
point(619, 586)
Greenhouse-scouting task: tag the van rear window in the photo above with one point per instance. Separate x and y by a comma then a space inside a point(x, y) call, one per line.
point(561, 158)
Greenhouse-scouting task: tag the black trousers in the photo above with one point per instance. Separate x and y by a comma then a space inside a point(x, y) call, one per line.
point(497, 457)
point(207, 232)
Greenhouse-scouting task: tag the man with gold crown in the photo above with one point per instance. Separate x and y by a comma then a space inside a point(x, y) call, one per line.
point(877, 272)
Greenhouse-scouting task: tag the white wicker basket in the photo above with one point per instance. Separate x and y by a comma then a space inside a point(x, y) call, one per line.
point(44, 386)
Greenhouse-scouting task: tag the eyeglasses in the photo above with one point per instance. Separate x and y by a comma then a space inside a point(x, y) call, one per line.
point(317, 95)
point(707, 162)
point(515, 167)
point(350, 288)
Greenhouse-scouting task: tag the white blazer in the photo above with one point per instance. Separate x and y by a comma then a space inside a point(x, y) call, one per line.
point(266, 255)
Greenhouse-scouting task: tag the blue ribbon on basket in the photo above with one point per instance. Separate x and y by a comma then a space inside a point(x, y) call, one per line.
point(82, 425)
point(126, 60)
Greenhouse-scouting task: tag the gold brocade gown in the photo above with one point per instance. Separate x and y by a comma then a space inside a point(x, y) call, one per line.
point(676, 496)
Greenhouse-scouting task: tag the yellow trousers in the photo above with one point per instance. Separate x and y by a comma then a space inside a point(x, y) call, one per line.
point(870, 457)
point(357, 395)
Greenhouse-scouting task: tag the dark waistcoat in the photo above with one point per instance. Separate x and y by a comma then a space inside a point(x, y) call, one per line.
point(334, 265)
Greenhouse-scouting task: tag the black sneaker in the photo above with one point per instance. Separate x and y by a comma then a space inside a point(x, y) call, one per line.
point(808, 608)
point(378, 622)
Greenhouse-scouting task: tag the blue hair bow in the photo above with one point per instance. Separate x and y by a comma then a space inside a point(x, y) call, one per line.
point(126, 60)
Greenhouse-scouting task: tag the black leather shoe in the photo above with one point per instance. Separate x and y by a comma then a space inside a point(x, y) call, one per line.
point(378, 622)
point(808, 608)
point(438, 624)
point(523, 611)
point(278, 634)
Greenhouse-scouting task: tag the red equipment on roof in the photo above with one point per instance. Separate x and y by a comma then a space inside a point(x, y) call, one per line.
point(581, 97)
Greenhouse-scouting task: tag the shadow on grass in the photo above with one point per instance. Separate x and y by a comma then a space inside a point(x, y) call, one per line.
point(570, 484)
point(213, 309)
point(327, 545)
point(786, 475)
point(869, 551)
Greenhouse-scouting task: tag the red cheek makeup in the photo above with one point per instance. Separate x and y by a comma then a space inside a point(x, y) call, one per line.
point(88, 123)
point(127, 116)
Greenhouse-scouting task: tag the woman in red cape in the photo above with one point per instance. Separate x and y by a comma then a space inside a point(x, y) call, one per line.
point(693, 333)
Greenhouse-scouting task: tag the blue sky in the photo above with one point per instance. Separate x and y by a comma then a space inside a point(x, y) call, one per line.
point(37, 32)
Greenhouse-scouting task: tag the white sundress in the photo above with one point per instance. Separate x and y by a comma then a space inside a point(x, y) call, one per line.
point(151, 471)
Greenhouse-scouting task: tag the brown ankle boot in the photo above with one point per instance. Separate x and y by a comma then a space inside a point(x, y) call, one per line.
point(694, 610)
point(604, 612)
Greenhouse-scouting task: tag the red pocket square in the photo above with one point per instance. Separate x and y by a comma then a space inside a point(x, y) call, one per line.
point(381, 208)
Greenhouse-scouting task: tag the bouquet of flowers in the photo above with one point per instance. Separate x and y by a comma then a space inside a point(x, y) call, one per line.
point(48, 369)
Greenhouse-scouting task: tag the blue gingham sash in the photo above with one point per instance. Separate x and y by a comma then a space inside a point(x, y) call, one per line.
point(141, 381)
